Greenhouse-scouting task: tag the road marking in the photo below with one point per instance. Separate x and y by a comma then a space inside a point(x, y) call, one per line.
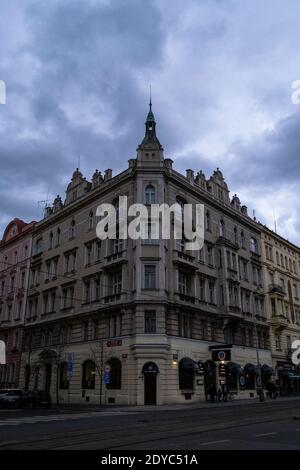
point(214, 442)
point(61, 417)
point(266, 434)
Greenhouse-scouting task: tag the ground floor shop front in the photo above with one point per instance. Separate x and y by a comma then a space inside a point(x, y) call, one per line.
point(144, 370)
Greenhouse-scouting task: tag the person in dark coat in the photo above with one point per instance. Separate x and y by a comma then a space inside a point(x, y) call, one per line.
point(225, 392)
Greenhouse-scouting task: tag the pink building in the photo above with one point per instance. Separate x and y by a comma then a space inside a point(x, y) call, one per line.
point(15, 252)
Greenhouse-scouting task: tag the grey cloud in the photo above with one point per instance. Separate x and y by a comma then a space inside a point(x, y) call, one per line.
point(78, 75)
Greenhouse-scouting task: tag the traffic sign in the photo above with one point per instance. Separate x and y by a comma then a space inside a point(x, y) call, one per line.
point(106, 377)
point(69, 365)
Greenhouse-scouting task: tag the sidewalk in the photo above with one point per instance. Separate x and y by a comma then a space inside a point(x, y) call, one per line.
point(175, 407)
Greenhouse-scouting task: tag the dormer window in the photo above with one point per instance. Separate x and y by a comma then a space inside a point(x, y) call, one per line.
point(50, 240)
point(222, 228)
point(74, 195)
point(253, 245)
point(58, 237)
point(72, 230)
point(207, 221)
point(150, 194)
point(91, 220)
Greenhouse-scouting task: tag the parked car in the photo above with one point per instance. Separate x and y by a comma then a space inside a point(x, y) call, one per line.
point(12, 397)
point(35, 399)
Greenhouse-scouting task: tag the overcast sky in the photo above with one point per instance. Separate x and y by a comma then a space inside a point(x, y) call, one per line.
point(78, 73)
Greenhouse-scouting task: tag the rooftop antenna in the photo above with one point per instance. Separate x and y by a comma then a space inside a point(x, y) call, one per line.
point(275, 223)
point(44, 204)
point(254, 216)
point(79, 161)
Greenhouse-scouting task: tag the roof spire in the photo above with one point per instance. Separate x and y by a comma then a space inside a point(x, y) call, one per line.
point(150, 117)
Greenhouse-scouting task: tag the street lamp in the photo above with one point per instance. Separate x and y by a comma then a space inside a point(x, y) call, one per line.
point(259, 388)
point(261, 392)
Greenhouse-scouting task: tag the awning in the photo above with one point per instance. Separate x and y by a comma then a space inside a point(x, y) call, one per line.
point(250, 369)
point(234, 368)
point(267, 370)
point(293, 376)
point(188, 363)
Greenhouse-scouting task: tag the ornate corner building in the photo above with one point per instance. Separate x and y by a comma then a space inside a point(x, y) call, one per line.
point(147, 321)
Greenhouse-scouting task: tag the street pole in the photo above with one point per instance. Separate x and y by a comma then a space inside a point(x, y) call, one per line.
point(101, 372)
point(259, 389)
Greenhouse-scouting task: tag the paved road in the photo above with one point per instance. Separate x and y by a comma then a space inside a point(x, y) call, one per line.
point(238, 425)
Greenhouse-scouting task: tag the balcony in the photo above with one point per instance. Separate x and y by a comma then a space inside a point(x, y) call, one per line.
point(185, 297)
point(184, 259)
point(278, 322)
point(276, 289)
point(235, 308)
point(232, 275)
point(227, 242)
point(115, 259)
point(37, 252)
point(20, 292)
point(10, 296)
point(114, 298)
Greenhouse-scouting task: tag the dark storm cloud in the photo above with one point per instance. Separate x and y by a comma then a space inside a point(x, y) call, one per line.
point(78, 73)
point(274, 157)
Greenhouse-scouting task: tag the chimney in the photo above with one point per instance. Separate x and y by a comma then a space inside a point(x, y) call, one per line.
point(131, 162)
point(244, 210)
point(168, 163)
point(107, 174)
point(190, 175)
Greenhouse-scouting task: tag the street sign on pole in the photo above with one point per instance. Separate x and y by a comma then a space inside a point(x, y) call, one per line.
point(69, 365)
point(106, 377)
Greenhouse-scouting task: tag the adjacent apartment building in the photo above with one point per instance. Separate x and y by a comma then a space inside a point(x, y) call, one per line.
point(145, 321)
point(15, 252)
point(281, 267)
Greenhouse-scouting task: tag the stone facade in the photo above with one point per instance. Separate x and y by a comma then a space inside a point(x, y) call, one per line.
point(281, 267)
point(15, 253)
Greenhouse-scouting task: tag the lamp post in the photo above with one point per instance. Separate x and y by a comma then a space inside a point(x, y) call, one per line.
point(259, 388)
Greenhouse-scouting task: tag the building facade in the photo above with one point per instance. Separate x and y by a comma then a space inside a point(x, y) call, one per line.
point(281, 268)
point(159, 323)
point(15, 252)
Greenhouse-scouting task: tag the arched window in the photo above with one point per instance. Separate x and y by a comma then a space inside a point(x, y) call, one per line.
point(50, 240)
point(186, 374)
point(72, 230)
point(115, 374)
point(116, 205)
point(235, 234)
point(58, 236)
point(91, 220)
point(179, 215)
point(253, 245)
point(88, 374)
point(63, 376)
point(150, 196)
point(207, 220)
point(242, 239)
point(222, 228)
